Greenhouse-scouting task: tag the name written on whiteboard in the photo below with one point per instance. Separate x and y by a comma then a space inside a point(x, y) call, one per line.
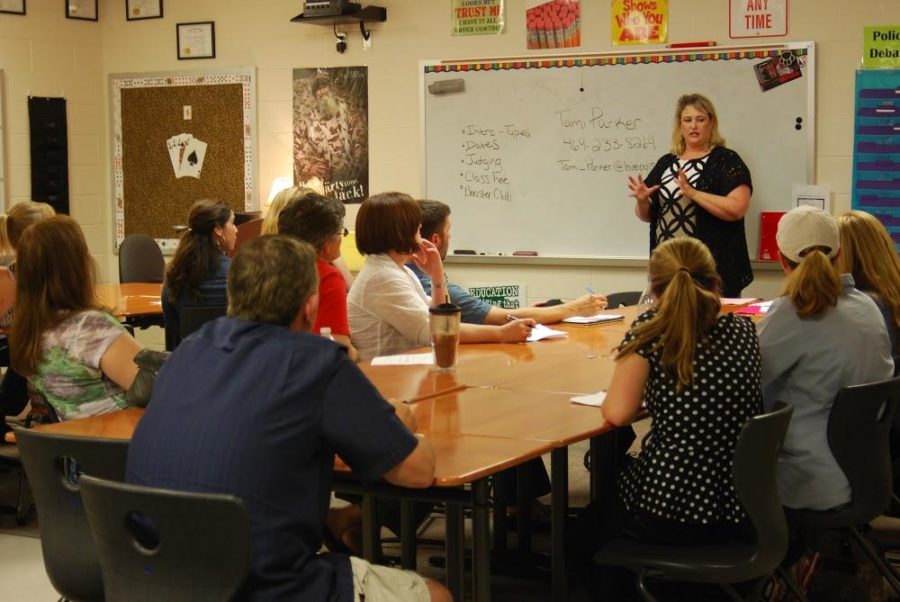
point(596, 119)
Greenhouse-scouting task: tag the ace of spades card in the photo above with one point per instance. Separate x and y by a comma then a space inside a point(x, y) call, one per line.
point(186, 154)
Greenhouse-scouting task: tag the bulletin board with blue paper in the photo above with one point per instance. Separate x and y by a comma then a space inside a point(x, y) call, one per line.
point(876, 147)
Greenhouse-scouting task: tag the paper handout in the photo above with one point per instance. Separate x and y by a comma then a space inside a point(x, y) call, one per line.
point(595, 399)
point(541, 332)
point(598, 319)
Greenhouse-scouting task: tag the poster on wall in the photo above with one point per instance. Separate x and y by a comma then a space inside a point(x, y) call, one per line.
point(553, 23)
point(331, 131)
point(639, 21)
point(881, 47)
point(477, 17)
point(757, 18)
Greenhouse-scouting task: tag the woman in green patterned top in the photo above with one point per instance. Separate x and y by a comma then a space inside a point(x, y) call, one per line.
point(75, 353)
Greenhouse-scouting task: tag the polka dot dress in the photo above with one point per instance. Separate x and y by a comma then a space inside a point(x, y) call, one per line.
point(683, 472)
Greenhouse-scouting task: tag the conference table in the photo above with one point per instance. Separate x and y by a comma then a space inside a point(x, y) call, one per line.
point(503, 405)
point(138, 303)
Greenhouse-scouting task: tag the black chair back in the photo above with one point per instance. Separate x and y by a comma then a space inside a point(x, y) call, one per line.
point(52, 463)
point(190, 319)
point(140, 260)
point(753, 474)
point(858, 430)
point(615, 300)
point(158, 544)
point(754, 478)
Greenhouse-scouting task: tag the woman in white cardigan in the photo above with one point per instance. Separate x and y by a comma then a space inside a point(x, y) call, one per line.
point(387, 307)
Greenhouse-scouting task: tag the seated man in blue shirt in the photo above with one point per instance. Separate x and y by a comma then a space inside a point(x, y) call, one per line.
point(255, 405)
point(436, 228)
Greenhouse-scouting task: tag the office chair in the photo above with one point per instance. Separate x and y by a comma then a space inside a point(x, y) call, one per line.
point(615, 300)
point(140, 260)
point(190, 319)
point(753, 474)
point(53, 464)
point(858, 429)
point(159, 544)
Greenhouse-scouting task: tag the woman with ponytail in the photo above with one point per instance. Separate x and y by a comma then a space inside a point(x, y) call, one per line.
point(196, 274)
point(698, 374)
point(821, 335)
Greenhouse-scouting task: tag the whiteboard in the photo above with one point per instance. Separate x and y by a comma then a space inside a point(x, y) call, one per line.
point(534, 154)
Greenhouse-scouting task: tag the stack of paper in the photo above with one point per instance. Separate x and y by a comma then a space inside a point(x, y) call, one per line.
point(598, 319)
point(756, 309)
point(407, 359)
point(739, 301)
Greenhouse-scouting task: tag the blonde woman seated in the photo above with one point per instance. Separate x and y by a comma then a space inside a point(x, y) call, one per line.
point(820, 336)
point(12, 224)
point(387, 306)
point(698, 373)
point(74, 353)
point(15, 393)
point(869, 255)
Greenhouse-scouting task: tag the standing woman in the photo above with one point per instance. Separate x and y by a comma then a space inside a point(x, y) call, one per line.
point(196, 274)
point(76, 354)
point(698, 372)
point(869, 255)
point(701, 189)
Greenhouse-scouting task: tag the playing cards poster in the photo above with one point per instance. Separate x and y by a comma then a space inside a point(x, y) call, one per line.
point(331, 131)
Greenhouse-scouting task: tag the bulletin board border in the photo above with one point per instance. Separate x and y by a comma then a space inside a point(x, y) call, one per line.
point(245, 76)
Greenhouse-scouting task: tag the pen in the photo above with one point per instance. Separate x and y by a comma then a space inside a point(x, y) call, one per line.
point(510, 317)
point(590, 290)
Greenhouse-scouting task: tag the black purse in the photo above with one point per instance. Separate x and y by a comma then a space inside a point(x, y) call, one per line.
point(149, 362)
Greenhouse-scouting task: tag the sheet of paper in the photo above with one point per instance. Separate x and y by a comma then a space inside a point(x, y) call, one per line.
point(755, 309)
point(598, 319)
point(406, 359)
point(590, 400)
point(736, 301)
point(541, 332)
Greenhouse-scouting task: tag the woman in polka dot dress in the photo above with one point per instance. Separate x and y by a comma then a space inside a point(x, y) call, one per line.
point(698, 373)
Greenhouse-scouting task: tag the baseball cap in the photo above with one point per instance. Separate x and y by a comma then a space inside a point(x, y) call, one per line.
point(804, 227)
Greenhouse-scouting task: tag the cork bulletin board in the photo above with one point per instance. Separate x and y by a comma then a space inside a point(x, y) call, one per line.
point(176, 138)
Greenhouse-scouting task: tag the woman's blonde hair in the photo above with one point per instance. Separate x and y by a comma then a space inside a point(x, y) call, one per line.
point(20, 216)
point(814, 284)
point(684, 280)
point(701, 103)
point(270, 221)
point(55, 278)
point(869, 254)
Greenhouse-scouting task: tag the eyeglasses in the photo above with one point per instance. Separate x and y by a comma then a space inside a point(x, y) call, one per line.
point(343, 233)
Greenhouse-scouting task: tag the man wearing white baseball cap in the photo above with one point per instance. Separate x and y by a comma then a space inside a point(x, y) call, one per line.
point(821, 335)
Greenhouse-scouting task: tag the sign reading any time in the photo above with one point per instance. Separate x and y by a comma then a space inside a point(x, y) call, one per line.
point(758, 18)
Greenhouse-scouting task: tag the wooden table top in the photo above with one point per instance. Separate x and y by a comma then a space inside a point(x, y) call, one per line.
point(509, 413)
point(132, 298)
point(460, 458)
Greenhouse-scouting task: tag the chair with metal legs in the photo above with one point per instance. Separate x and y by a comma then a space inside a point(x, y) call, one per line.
point(753, 474)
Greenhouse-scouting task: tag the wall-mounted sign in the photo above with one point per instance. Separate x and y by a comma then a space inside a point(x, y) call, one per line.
point(758, 18)
point(639, 21)
point(881, 47)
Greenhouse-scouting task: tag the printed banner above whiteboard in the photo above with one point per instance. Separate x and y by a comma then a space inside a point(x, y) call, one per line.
point(534, 154)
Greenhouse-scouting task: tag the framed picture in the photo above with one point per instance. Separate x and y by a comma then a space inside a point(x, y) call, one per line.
point(12, 7)
point(81, 9)
point(135, 10)
point(196, 40)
